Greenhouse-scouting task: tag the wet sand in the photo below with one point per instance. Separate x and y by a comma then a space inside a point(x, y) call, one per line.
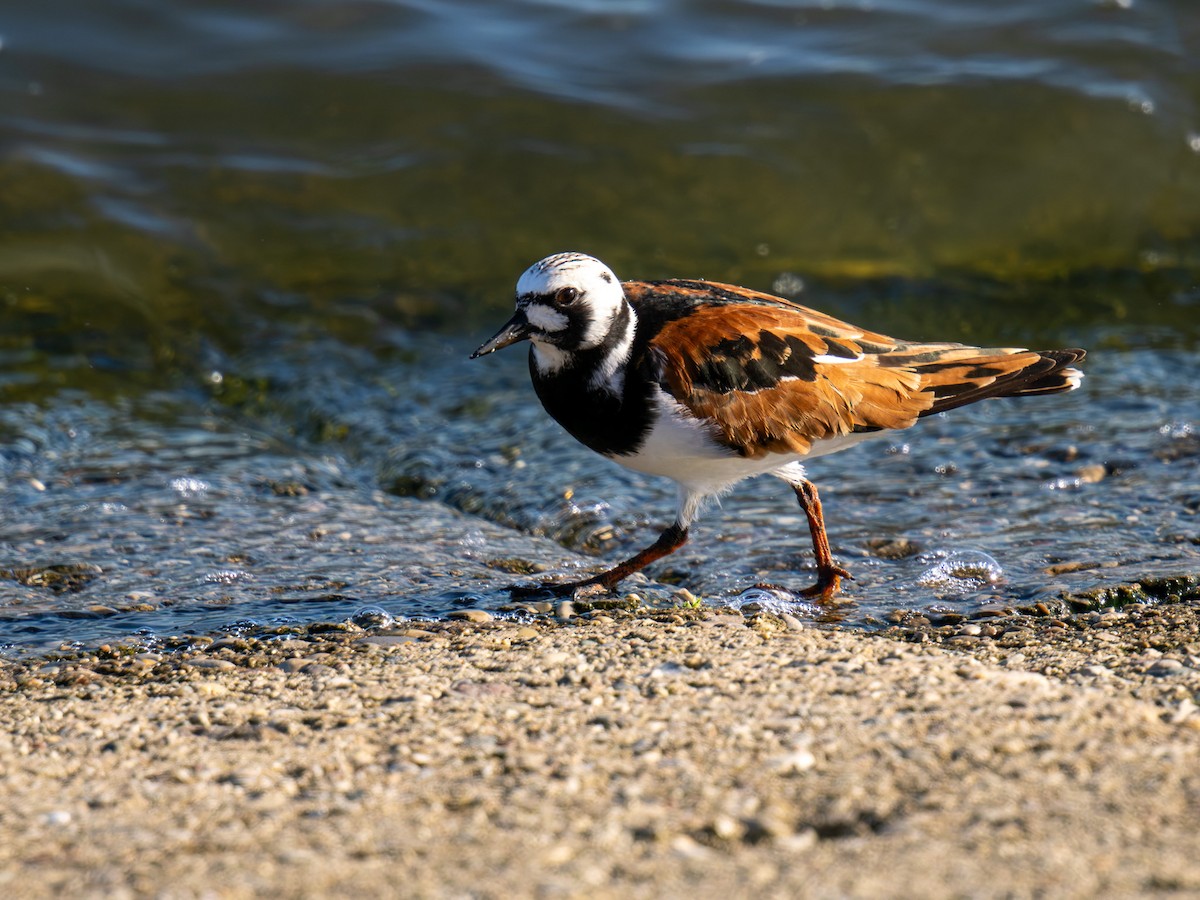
point(666, 754)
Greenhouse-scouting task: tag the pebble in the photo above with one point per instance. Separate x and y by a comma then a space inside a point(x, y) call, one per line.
point(471, 615)
point(387, 641)
point(205, 662)
point(1162, 667)
point(231, 643)
point(791, 622)
point(687, 848)
point(293, 645)
point(800, 760)
point(685, 597)
point(418, 633)
point(565, 609)
point(727, 828)
point(1186, 709)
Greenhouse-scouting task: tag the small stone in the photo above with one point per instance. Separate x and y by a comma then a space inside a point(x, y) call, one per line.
point(727, 828)
point(791, 622)
point(387, 641)
point(418, 633)
point(295, 664)
point(800, 760)
point(688, 848)
point(798, 841)
point(1184, 711)
point(204, 662)
point(293, 645)
point(565, 609)
point(1162, 667)
point(526, 634)
point(471, 615)
point(1065, 568)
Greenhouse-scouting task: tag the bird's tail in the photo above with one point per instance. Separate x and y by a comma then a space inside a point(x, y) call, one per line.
point(957, 375)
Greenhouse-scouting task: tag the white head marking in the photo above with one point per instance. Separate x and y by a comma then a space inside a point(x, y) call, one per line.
point(579, 324)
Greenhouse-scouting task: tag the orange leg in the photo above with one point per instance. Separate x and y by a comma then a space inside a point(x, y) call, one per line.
point(668, 542)
point(829, 575)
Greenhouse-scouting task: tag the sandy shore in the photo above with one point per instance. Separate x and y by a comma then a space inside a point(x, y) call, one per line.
point(654, 755)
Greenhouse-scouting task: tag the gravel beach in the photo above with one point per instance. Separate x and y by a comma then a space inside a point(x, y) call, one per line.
point(619, 754)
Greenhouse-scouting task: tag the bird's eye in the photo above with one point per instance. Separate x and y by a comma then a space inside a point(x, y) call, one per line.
point(566, 296)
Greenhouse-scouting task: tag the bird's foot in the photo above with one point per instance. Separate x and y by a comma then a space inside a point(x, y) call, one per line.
point(829, 582)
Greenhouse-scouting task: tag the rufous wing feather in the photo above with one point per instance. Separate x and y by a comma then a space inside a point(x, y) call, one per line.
point(773, 376)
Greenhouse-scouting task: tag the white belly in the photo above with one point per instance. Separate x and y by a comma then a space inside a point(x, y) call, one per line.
point(682, 447)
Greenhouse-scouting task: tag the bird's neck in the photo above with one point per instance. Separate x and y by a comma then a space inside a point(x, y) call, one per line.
point(587, 392)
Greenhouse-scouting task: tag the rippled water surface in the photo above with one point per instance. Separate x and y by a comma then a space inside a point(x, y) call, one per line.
point(245, 249)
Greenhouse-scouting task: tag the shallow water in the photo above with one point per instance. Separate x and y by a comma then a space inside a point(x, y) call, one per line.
point(183, 519)
point(244, 252)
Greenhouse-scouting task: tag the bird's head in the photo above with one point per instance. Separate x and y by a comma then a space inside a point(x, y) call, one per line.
point(566, 303)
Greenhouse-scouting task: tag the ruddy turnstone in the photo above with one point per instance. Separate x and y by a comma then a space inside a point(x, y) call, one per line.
point(709, 384)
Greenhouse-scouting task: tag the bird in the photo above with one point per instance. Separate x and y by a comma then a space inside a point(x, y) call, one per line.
point(708, 384)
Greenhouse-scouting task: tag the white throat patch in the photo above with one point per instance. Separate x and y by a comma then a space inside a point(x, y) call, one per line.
point(548, 358)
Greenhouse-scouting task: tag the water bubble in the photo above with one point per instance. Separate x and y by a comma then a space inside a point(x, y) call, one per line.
point(962, 572)
point(225, 576)
point(788, 284)
point(1177, 430)
point(248, 625)
point(189, 487)
point(372, 617)
point(1063, 484)
point(765, 600)
point(1143, 105)
point(473, 540)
